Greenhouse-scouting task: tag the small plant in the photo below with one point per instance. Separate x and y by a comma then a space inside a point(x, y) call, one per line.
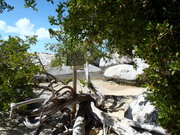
point(66, 81)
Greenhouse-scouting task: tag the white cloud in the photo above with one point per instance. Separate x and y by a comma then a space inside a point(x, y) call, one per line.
point(42, 33)
point(23, 27)
point(11, 29)
point(2, 25)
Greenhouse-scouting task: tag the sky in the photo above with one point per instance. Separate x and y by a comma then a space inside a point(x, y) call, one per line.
point(27, 22)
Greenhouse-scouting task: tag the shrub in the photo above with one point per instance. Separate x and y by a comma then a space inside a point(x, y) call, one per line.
point(16, 71)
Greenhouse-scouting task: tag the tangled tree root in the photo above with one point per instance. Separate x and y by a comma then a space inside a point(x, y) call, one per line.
point(91, 113)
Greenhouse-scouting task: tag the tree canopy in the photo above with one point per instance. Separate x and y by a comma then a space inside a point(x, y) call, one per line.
point(148, 29)
point(119, 24)
point(27, 3)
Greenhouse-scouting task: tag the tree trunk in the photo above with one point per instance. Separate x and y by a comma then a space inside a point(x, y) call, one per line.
point(114, 123)
point(79, 125)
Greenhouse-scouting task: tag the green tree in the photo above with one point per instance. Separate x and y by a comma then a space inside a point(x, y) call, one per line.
point(148, 29)
point(5, 6)
point(27, 3)
point(16, 71)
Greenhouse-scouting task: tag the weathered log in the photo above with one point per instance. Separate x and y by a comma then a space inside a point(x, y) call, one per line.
point(69, 101)
point(30, 101)
point(23, 103)
point(58, 106)
point(114, 123)
point(124, 126)
point(79, 124)
point(55, 104)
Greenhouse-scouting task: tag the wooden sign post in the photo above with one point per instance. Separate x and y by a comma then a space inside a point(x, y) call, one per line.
point(76, 60)
point(74, 79)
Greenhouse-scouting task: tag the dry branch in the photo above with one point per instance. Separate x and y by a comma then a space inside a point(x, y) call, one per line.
point(114, 123)
point(23, 103)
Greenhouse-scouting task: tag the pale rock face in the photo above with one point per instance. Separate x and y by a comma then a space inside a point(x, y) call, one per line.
point(45, 58)
point(124, 60)
point(114, 60)
point(63, 72)
point(141, 110)
point(93, 68)
point(104, 62)
point(122, 71)
point(126, 71)
point(60, 70)
point(140, 63)
point(68, 70)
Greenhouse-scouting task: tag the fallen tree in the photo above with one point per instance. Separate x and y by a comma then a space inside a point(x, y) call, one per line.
point(88, 112)
point(92, 112)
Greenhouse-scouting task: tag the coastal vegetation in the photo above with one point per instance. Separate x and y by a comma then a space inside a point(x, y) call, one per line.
point(148, 29)
point(16, 71)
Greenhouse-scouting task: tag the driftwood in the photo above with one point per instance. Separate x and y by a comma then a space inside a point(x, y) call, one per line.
point(114, 123)
point(124, 126)
point(79, 125)
point(91, 112)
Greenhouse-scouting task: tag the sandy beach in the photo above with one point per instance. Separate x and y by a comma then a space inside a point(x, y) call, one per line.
point(112, 88)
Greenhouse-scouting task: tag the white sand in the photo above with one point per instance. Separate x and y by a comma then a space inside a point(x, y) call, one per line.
point(111, 88)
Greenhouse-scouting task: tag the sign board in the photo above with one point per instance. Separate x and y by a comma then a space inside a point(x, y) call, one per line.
point(76, 59)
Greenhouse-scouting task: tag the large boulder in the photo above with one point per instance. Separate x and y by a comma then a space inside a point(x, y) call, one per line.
point(114, 60)
point(105, 62)
point(141, 110)
point(122, 72)
point(140, 63)
point(45, 58)
point(64, 72)
point(125, 72)
point(144, 115)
